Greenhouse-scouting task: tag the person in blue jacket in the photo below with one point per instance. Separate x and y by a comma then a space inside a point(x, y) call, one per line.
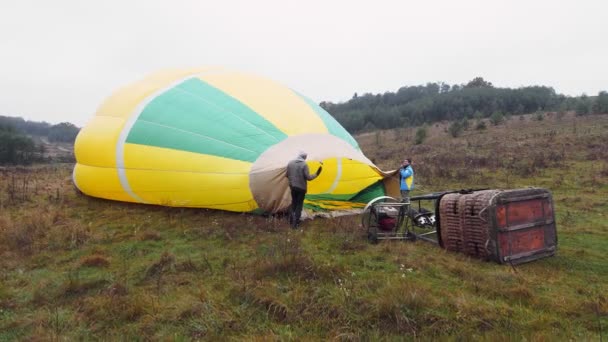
point(406, 179)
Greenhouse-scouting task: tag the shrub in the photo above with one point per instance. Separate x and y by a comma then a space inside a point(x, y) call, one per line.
point(583, 106)
point(421, 134)
point(455, 129)
point(465, 123)
point(497, 118)
point(539, 116)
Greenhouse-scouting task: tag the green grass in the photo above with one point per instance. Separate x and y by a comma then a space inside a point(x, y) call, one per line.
point(79, 268)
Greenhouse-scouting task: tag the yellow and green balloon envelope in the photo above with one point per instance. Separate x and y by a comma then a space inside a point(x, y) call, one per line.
point(220, 139)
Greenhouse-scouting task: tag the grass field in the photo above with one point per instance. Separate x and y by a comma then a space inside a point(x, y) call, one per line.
point(80, 268)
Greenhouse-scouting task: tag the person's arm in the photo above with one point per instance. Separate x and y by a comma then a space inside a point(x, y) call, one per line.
point(309, 176)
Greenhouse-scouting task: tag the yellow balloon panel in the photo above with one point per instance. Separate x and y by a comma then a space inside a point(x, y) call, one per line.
point(324, 182)
point(96, 142)
point(346, 177)
point(101, 181)
point(278, 103)
point(188, 188)
point(241, 207)
point(355, 177)
point(164, 159)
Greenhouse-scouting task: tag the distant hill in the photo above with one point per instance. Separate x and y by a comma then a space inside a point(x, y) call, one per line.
point(415, 105)
point(62, 132)
point(25, 142)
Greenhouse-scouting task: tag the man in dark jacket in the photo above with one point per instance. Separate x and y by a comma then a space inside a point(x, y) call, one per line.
point(298, 175)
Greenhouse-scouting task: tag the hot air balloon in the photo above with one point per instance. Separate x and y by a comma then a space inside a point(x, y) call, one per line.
point(219, 139)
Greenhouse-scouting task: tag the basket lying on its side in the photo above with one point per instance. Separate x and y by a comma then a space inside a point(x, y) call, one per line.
point(507, 226)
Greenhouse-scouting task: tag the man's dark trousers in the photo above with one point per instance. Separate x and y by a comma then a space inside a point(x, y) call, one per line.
point(297, 202)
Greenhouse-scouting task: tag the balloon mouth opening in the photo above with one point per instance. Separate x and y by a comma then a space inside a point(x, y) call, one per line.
point(267, 177)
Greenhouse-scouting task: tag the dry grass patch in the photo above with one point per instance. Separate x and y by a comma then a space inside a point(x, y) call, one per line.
point(165, 262)
point(95, 260)
point(287, 258)
point(106, 308)
point(50, 229)
point(404, 307)
point(150, 235)
point(265, 299)
point(76, 287)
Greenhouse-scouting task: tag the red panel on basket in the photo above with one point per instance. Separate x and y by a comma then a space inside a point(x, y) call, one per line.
point(521, 241)
point(524, 212)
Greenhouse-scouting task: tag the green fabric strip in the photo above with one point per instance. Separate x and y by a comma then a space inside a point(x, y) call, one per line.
point(332, 125)
point(258, 211)
point(197, 117)
point(373, 191)
point(330, 197)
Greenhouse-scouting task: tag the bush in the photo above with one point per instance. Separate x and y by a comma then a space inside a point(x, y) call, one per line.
point(539, 116)
point(64, 132)
point(465, 123)
point(497, 118)
point(583, 106)
point(601, 103)
point(481, 125)
point(16, 148)
point(421, 134)
point(455, 129)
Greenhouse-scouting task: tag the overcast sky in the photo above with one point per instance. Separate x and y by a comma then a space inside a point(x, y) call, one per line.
point(60, 59)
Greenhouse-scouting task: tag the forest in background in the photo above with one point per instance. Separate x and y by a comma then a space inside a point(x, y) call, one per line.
point(413, 106)
point(22, 142)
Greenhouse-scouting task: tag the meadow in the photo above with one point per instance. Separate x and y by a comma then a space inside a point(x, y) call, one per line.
point(74, 267)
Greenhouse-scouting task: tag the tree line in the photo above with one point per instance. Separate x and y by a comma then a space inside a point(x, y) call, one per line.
point(17, 146)
point(416, 105)
point(62, 132)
